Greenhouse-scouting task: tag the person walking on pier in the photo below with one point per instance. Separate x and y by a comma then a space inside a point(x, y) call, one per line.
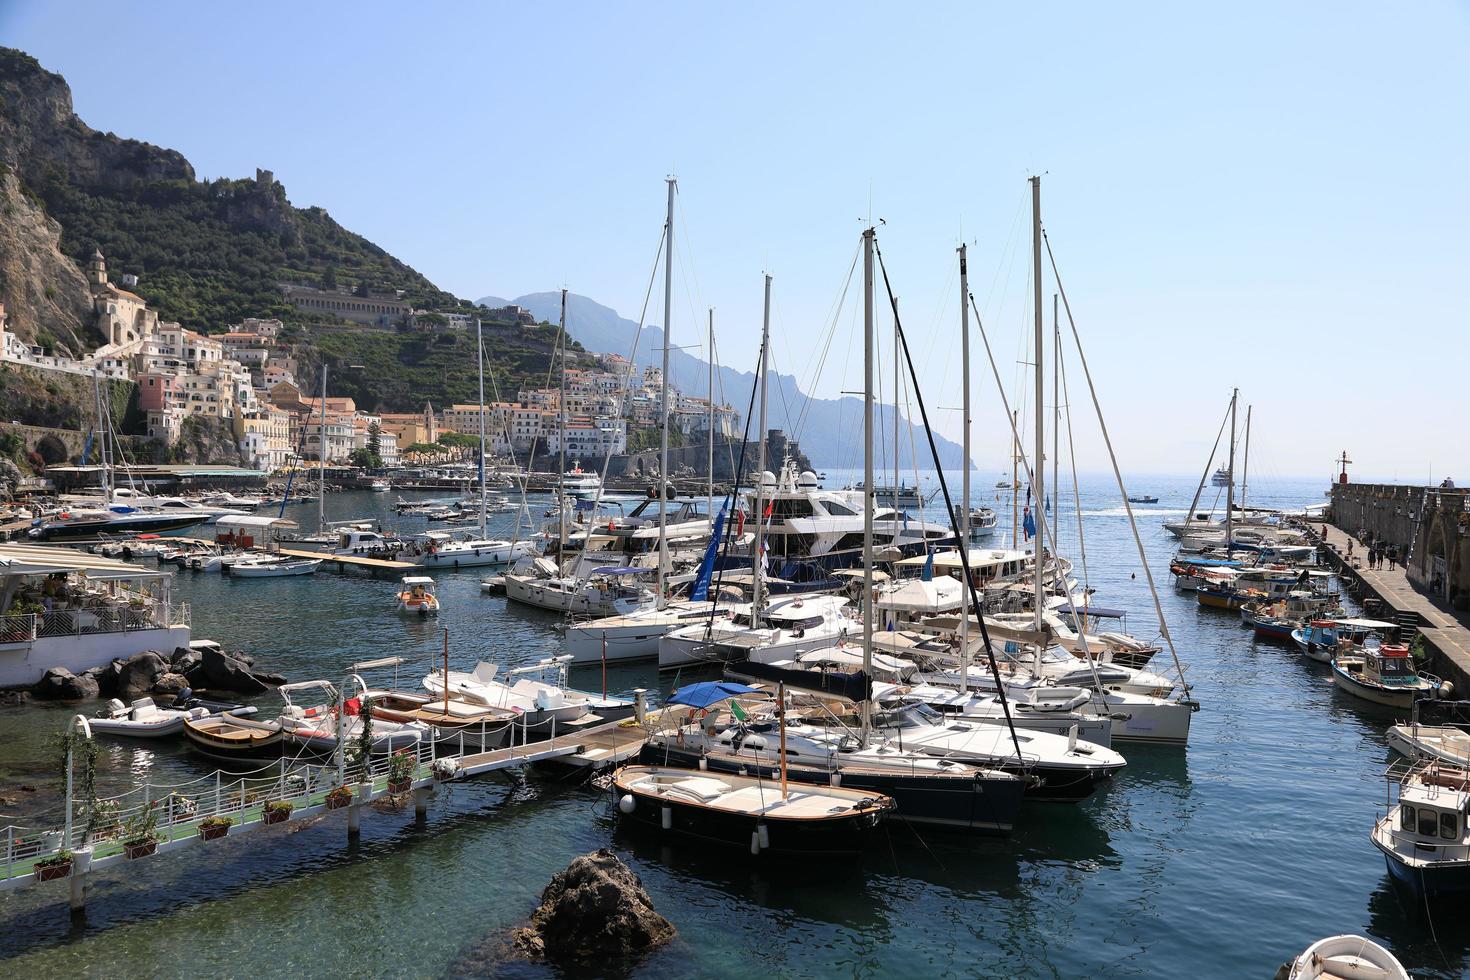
point(1393, 555)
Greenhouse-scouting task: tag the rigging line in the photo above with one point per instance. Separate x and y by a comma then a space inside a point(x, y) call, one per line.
point(734, 497)
point(1044, 525)
point(833, 318)
point(724, 401)
point(1072, 455)
point(1118, 473)
point(949, 507)
point(1194, 504)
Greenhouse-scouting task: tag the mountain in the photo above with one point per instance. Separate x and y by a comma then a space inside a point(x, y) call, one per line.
point(829, 429)
point(208, 254)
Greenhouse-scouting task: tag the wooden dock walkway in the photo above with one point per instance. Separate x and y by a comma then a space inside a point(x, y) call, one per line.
point(353, 561)
point(1444, 629)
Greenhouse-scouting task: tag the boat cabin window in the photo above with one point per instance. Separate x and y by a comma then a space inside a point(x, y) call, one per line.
point(1428, 822)
point(838, 510)
point(791, 508)
point(1406, 817)
point(1449, 826)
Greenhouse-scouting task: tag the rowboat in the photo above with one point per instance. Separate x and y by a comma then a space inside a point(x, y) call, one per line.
point(1346, 958)
point(229, 736)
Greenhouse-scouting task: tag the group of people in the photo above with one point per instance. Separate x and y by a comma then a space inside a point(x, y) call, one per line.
point(1378, 553)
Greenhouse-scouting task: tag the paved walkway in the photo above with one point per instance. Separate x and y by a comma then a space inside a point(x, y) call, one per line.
point(1444, 628)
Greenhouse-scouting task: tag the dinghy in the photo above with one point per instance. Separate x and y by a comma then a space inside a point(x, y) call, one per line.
point(231, 737)
point(144, 719)
point(1345, 958)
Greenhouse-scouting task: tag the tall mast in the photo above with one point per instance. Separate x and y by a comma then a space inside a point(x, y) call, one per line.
point(893, 535)
point(321, 461)
point(1246, 471)
point(1230, 471)
point(1038, 469)
point(663, 446)
point(480, 361)
point(962, 519)
point(101, 440)
point(870, 499)
point(710, 388)
point(756, 555)
point(1056, 412)
point(561, 414)
point(1015, 478)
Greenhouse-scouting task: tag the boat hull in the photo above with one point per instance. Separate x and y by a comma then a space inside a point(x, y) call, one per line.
point(1402, 698)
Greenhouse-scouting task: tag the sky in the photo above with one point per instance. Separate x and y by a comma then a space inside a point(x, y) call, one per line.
point(1264, 196)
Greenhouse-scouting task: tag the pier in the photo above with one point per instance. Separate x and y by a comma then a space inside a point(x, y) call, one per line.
point(343, 562)
point(1428, 590)
point(98, 834)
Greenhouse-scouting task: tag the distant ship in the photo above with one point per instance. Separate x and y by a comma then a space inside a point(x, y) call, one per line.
point(1221, 478)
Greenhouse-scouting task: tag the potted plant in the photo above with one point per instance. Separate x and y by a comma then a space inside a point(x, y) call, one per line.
point(106, 822)
point(58, 865)
point(140, 838)
point(339, 797)
point(277, 811)
point(401, 766)
point(213, 828)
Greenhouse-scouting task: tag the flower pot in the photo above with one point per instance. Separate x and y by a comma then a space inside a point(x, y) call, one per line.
point(403, 785)
point(275, 816)
point(140, 850)
point(50, 872)
point(214, 833)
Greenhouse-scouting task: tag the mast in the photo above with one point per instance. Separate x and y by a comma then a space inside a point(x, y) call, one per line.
point(870, 499)
point(1230, 487)
point(1038, 479)
point(962, 521)
point(1246, 471)
point(757, 556)
point(104, 469)
point(1056, 415)
point(561, 412)
point(710, 385)
point(897, 381)
point(480, 360)
point(321, 462)
point(1015, 478)
point(663, 446)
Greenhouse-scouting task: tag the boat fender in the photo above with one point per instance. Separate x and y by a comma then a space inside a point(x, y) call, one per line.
point(703, 764)
point(628, 803)
point(763, 836)
point(667, 817)
point(755, 842)
point(1445, 687)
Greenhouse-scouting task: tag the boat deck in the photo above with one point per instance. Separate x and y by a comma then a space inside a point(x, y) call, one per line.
point(353, 561)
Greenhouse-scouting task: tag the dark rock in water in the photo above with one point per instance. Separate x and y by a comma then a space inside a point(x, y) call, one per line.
point(14, 696)
point(244, 658)
point(593, 913)
point(170, 684)
point(139, 674)
point(220, 672)
point(274, 680)
point(185, 660)
point(109, 678)
point(60, 684)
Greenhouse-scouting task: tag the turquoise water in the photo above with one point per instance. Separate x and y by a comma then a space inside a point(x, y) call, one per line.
point(1222, 860)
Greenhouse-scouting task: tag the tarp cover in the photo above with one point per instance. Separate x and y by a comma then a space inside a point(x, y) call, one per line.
point(706, 693)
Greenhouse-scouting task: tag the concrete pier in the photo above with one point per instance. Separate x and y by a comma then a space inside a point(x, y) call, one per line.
point(1428, 589)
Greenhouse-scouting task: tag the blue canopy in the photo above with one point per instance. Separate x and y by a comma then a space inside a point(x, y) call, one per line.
point(706, 693)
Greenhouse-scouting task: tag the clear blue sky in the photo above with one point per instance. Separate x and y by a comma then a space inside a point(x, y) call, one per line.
point(1265, 195)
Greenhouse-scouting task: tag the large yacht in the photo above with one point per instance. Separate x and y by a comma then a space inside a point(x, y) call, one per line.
point(807, 522)
point(580, 483)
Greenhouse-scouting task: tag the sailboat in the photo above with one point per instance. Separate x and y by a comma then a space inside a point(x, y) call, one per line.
point(483, 550)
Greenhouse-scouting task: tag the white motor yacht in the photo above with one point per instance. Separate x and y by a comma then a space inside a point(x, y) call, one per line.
point(606, 591)
point(539, 701)
point(786, 628)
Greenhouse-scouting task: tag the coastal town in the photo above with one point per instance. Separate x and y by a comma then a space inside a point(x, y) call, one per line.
point(923, 534)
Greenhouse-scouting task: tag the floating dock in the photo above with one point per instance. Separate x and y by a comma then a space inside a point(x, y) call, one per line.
point(344, 562)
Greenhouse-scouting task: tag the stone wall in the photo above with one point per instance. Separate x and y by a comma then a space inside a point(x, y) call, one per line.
point(1429, 525)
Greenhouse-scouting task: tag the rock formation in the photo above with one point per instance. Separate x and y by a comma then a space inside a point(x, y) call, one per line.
point(594, 912)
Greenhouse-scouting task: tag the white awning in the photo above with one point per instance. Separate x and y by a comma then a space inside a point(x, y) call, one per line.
point(22, 559)
point(241, 521)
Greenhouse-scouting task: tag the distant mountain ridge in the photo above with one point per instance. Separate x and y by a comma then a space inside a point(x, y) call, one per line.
point(829, 429)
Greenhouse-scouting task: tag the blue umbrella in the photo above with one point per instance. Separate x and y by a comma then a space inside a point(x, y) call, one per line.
point(706, 693)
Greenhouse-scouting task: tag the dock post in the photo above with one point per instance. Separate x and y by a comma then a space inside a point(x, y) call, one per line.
point(354, 817)
point(421, 804)
point(640, 704)
point(81, 862)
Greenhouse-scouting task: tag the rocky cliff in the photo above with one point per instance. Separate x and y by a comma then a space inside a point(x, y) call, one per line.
point(45, 294)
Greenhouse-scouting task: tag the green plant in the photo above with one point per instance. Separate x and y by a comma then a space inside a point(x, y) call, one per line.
point(72, 746)
point(362, 747)
point(339, 796)
point(401, 765)
point(55, 860)
point(277, 811)
point(141, 829)
point(216, 821)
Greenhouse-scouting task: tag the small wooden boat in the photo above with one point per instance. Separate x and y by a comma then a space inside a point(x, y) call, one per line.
point(1384, 674)
point(1344, 958)
point(1445, 736)
point(477, 726)
point(416, 596)
point(229, 736)
point(274, 568)
point(744, 811)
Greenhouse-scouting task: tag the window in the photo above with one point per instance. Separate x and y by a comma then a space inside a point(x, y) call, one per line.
point(1428, 822)
point(1406, 817)
point(838, 510)
point(1449, 826)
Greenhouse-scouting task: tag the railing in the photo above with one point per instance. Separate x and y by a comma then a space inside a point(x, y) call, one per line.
point(150, 615)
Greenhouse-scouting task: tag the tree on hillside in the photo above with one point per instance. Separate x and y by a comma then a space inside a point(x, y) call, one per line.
point(365, 459)
point(375, 439)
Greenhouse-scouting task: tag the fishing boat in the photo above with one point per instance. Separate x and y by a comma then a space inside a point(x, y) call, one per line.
point(232, 737)
point(273, 567)
point(1276, 619)
point(540, 703)
point(318, 729)
point(763, 815)
point(416, 596)
point(1444, 734)
point(1384, 674)
point(1344, 958)
point(1143, 498)
point(983, 522)
point(1322, 639)
point(145, 719)
point(1425, 833)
